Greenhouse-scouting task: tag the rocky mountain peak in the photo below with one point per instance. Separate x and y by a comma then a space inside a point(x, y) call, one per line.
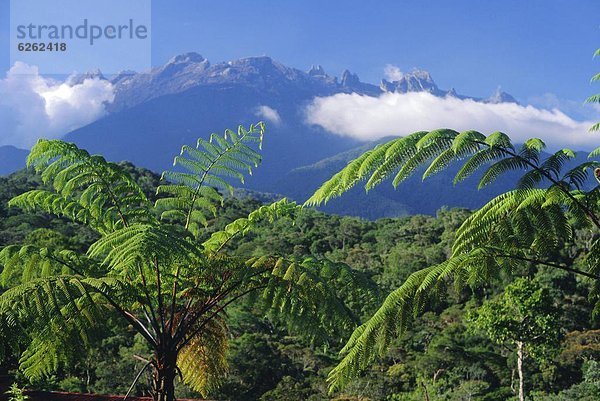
point(187, 63)
point(501, 97)
point(387, 86)
point(418, 81)
point(316, 70)
point(349, 79)
point(122, 76)
point(79, 78)
point(421, 75)
point(259, 63)
point(415, 81)
point(187, 58)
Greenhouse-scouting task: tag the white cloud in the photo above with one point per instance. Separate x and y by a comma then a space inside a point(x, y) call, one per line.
point(368, 118)
point(32, 106)
point(269, 114)
point(392, 73)
point(578, 109)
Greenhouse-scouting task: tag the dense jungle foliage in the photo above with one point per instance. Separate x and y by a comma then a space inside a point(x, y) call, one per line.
point(458, 349)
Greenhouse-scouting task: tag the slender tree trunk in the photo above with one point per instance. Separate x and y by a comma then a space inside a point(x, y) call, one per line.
point(163, 383)
point(520, 369)
point(512, 381)
point(425, 392)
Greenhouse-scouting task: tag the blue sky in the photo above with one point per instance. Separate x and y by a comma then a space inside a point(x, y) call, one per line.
point(527, 47)
point(540, 51)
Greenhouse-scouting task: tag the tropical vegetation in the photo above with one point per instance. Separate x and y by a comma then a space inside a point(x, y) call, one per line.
point(150, 266)
point(553, 201)
point(115, 280)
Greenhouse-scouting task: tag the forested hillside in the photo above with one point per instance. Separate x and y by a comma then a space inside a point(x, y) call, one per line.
point(446, 355)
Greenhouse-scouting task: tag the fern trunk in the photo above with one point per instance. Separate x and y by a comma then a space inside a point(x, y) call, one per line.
point(163, 383)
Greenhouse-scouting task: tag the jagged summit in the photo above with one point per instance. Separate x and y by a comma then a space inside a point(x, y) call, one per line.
point(452, 93)
point(351, 83)
point(421, 75)
point(187, 63)
point(501, 97)
point(349, 79)
point(316, 70)
point(414, 81)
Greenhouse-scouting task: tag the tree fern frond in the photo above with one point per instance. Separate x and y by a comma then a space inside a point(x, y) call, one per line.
point(60, 311)
point(143, 245)
point(398, 152)
point(593, 99)
point(203, 360)
point(501, 167)
point(478, 160)
point(428, 147)
point(301, 294)
point(52, 203)
point(450, 155)
point(276, 210)
point(554, 164)
point(499, 139)
point(340, 182)
point(371, 339)
point(524, 226)
point(579, 175)
point(466, 139)
point(531, 149)
point(104, 192)
point(437, 136)
point(208, 165)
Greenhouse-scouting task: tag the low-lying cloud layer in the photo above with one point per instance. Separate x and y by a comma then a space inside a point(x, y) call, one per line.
point(33, 107)
point(369, 118)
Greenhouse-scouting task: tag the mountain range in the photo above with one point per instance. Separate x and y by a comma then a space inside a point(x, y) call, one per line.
point(155, 112)
point(11, 159)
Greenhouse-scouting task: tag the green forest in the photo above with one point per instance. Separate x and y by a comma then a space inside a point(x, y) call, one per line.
point(449, 351)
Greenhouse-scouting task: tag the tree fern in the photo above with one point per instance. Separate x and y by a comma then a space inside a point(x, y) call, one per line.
point(523, 226)
point(149, 268)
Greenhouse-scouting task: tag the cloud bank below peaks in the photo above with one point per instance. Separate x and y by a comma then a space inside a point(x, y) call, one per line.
point(32, 106)
point(369, 118)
